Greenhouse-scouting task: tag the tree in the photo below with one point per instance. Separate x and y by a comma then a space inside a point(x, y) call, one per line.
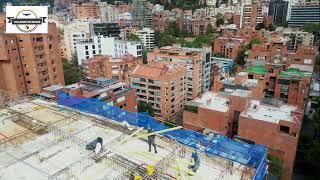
point(145, 56)
point(72, 72)
point(166, 40)
point(252, 42)
point(311, 27)
point(209, 29)
point(144, 107)
point(134, 37)
point(234, 69)
point(240, 57)
point(275, 166)
point(173, 29)
point(220, 19)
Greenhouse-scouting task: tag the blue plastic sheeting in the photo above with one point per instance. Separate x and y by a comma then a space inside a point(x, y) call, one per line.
point(215, 145)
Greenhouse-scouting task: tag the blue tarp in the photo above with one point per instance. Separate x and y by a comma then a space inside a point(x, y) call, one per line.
point(252, 155)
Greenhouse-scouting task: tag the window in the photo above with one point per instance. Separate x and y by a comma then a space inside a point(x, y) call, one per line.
point(86, 47)
point(50, 46)
point(284, 129)
point(27, 74)
point(93, 46)
point(29, 82)
point(87, 52)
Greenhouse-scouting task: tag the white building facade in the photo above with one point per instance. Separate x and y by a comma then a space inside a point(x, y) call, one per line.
point(107, 46)
point(146, 36)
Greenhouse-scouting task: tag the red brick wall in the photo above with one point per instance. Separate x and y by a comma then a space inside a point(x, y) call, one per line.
point(278, 143)
point(206, 118)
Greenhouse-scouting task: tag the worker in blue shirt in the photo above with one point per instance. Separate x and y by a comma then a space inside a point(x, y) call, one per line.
point(195, 159)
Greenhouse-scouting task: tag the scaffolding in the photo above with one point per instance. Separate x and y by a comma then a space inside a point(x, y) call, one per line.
point(65, 136)
point(218, 145)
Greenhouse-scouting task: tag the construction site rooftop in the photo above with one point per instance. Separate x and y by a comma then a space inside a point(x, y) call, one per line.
point(270, 113)
point(44, 140)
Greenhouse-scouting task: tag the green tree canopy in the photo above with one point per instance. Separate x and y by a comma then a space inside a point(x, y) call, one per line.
point(166, 40)
point(209, 29)
point(144, 107)
point(71, 70)
point(311, 27)
point(275, 166)
point(134, 37)
point(145, 56)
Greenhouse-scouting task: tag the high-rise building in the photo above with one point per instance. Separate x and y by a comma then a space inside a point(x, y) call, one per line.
point(278, 9)
point(108, 12)
point(72, 34)
point(304, 13)
point(141, 14)
point(197, 61)
point(162, 85)
point(252, 15)
point(30, 62)
point(146, 36)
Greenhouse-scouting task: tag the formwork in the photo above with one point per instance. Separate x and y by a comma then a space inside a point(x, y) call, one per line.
point(251, 155)
point(43, 140)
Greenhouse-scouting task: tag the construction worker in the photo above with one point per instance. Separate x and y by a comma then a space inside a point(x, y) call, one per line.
point(93, 145)
point(151, 140)
point(195, 160)
point(98, 145)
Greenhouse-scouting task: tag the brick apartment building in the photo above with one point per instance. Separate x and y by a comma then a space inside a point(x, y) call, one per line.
point(305, 55)
point(162, 85)
point(278, 127)
point(268, 54)
point(110, 68)
point(229, 46)
point(199, 25)
point(234, 113)
point(252, 15)
point(159, 21)
point(86, 11)
point(196, 61)
point(111, 91)
point(30, 62)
